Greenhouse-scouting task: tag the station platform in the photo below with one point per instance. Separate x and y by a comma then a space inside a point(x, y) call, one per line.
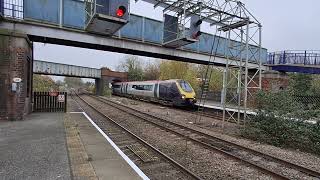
point(106, 159)
point(209, 104)
point(34, 148)
point(61, 146)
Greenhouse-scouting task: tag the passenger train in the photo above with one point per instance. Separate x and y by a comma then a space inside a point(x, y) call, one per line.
point(174, 92)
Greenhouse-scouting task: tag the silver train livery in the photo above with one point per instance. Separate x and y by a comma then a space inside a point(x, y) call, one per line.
point(174, 92)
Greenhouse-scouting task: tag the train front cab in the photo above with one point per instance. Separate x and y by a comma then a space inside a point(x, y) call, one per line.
point(178, 92)
point(188, 96)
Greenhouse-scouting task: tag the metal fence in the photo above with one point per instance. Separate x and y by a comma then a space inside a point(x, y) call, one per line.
point(12, 8)
point(309, 102)
point(49, 101)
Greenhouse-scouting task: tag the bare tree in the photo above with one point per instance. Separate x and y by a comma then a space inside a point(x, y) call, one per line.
point(132, 65)
point(152, 70)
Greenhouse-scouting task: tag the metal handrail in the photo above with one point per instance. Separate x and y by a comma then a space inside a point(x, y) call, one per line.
point(310, 57)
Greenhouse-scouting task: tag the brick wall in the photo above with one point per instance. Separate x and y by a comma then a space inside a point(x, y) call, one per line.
point(271, 81)
point(105, 72)
point(274, 81)
point(15, 62)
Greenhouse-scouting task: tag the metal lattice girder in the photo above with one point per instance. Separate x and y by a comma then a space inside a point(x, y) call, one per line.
point(215, 12)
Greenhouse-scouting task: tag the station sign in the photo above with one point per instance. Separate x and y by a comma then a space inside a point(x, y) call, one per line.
point(53, 93)
point(17, 80)
point(61, 98)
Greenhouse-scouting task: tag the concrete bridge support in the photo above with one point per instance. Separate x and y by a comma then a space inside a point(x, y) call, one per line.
point(108, 76)
point(15, 75)
point(99, 86)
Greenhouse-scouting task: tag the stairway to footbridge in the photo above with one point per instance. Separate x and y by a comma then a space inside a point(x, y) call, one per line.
point(295, 61)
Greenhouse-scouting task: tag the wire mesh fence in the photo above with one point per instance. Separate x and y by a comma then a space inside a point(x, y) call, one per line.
point(12, 8)
point(308, 101)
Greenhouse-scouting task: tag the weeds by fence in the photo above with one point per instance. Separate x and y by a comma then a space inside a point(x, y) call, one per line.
point(286, 120)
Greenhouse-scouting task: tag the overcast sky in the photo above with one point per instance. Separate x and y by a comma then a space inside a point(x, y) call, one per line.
point(287, 25)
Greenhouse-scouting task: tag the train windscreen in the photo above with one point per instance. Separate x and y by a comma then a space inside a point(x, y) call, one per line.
point(185, 86)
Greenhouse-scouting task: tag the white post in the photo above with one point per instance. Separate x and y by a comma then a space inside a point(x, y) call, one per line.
point(61, 14)
point(260, 58)
point(246, 74)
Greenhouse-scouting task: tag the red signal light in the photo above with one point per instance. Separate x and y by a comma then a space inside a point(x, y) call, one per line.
point(121, 11)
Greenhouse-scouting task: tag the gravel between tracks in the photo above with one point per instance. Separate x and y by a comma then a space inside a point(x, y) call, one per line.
point(230, 131)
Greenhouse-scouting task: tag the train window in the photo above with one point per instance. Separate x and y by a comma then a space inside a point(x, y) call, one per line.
point(148, 87)
point(116, 86)
point(143, 87)
point(185, 86)
point(139, 87)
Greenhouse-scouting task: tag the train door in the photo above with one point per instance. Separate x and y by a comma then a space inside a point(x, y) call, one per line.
point(155, 93)
point(174, 91)
point(127, 88)
point(163, 91)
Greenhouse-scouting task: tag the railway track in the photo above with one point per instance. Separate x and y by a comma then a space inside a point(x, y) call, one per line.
point(215, 115)
point(267, 164)
point(150, 159)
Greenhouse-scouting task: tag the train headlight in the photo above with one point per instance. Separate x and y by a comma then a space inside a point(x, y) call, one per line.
point(183, 96)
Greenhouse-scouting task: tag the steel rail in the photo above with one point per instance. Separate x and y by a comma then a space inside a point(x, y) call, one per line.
point(175, 163)
point(266, 156)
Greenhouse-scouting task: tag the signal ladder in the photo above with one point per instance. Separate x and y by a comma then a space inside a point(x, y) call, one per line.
point(204, 90)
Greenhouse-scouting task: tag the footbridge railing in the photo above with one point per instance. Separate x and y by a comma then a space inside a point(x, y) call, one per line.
point(311, 58)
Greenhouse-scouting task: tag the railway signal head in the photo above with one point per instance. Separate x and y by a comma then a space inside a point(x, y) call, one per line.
point(195, 26)
point(119, 8)
point(121, 11)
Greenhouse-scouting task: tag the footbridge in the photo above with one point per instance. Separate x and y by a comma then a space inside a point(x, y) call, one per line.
point(58, 69)
point(102, 76)
point(295, 61)
point(63, 23)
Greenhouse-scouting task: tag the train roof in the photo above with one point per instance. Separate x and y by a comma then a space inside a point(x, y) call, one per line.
point(152, 81)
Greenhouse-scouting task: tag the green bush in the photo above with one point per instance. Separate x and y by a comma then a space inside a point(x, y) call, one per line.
point(107, 91)
point(284, 122)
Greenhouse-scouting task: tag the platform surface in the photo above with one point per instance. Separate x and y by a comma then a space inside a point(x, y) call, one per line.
point(106, 161)
point(34, 148)
point(218, 106)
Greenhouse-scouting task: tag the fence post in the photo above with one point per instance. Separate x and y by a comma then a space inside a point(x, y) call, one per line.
point(1, 8)
point(305, 57)
point(65, 101)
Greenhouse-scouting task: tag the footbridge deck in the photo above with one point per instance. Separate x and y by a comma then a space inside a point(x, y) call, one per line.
point(63, 24)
